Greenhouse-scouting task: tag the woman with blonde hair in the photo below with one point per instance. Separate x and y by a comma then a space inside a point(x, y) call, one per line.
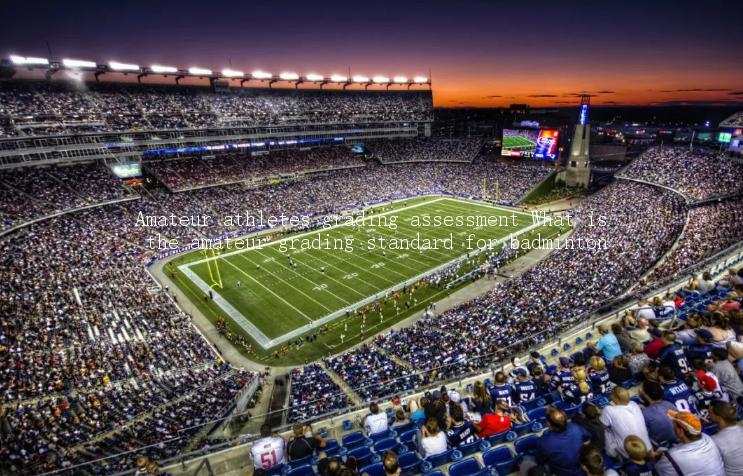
point(481, 402)
point(578, 391)
point(600, 382)
point(433, 440)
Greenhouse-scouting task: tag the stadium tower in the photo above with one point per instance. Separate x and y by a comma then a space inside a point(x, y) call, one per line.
point(578, 173)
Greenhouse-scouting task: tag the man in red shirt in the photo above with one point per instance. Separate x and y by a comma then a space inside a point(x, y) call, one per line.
point(494, 423)
point(656, 344)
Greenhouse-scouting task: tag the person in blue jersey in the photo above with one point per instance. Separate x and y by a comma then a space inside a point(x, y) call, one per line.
point(676, 391)
point(639, 462)
point(524, 389)
point(702, 348)
point(460, 432)
point(598, 376)
point(579, 391)
point(502, 390)
point(706, 390)
point(672, 356)
point(564, 375)
point(541, 380)
point(535, 360)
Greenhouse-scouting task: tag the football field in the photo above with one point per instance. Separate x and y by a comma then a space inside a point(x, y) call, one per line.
point(517, 143)
point(287, 287)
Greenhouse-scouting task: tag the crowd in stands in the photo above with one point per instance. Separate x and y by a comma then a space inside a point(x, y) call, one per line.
point(698, 174)
point(426, 150)
point(51, 108)
point(313, 393)
point(31, 192)
point(587, 413)
point(197, 172)
point(710, 229)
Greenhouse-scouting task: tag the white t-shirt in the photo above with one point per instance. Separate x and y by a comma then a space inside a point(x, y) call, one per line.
point(268, 452)
point(620, 422)
point(698, 458)
point(434, 445)
point(376, 423)
point(645, 312)
point(730, 443)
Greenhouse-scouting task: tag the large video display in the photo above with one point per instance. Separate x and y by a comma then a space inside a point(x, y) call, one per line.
point(538, 144)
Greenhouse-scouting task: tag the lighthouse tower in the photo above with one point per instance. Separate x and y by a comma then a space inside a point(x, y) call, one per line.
point(578, 171)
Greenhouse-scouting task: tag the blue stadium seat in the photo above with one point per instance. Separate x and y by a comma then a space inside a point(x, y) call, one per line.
point(522, 428)
point(402, 428)
point(354, 440)
point(375, 469)
point(440, 459)
point(363, 456)
point(408, 438)
point(300, 462)
point(501, 459)
point(276, 470)
point(474, 447)
point(384, 445)
point(538, 414)
point(304, 470)
point(629, 383)
point(495, 440)
point(347, 425)
point(332, 448)
point(554, 352)
point(526, 445)
point(435, 473)
point(710, 429)
point(467, 467)
point(383, 435)
point(573, 410)
point(409, 461)
point(535, 403)
point(566, 346)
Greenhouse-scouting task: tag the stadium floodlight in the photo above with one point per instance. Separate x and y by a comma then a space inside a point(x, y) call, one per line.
point(420, 79)
point(28, 60)
point(73, 63)
point(158, 68)
point(314, 77)
point(360, 79)
point(381, 79)
point(258, 74)
point(399, 79)
point(339, 78)
point(116, 66)
point(232, 73)
point(289, 76)
point(199, 71)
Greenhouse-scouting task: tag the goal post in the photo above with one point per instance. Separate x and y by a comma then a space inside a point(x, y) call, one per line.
point(212, 265)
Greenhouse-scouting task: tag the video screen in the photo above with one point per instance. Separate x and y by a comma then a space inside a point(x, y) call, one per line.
point(538, 144)
point(125, 171)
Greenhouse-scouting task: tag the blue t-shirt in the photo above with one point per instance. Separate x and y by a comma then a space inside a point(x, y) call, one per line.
point(560, 450)
point(633, 469)
point(660, 427)
point(609, 346)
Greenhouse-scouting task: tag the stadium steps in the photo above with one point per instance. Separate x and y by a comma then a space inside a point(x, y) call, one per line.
point(353, 396)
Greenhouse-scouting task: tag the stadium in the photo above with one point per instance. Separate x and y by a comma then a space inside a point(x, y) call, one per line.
point(222, 272)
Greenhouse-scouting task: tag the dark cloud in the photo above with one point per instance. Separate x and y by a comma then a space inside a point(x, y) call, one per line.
point(736, 93)
point(492, 96)
point(605, 92)
point(695, 90)
point(542, 96)
point(697, 102)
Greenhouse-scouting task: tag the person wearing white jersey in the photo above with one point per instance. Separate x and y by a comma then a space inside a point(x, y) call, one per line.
point(729, 439)
point(621, 419)
point(269, 451)
point(376, 421)
point(695, 455)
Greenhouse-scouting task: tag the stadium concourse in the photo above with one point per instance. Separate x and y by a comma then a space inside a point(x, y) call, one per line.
point(102, 371)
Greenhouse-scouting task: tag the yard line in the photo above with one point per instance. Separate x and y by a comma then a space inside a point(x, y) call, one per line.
point(268, 289)
point(314, 283)
point(288, 284)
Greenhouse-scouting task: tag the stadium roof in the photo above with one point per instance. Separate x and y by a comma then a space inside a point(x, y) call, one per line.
point(736, 120)
point(15, 62)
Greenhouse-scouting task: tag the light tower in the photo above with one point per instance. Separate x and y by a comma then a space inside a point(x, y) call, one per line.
point(578, 172)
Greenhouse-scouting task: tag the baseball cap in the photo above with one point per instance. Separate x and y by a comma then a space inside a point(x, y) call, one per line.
point(565, 361)
point(516, 362)
point(707, 382)
point(687, 420)
point(654, 331)
point(436, 395)
point(454, 396)
point(521, 372)
point(534, 354)
point(703, 333)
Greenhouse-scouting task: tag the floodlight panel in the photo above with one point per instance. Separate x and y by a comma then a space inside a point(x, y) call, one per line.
point(381, 79)
point(314, 77)
point(360, 79)
point(232, 73)
point(399, 79)
point(74, 63)
point(339, 78)
point(28, 60)
point(117, 66)
point(199, 71)
point(289, 76)
point(258, 74)
point(420, 79)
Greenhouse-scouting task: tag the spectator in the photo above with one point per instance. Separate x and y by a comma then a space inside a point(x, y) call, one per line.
point(480, 401)
point(621, 419)
point(433, 441)
point(494, 423)
point(391, 464)
point(303, 443)
point(725, 372)
point(590, 419)
point(592, 462)
point(638, 359)
point(558, 448)
point(375, 421)
point(401, 418)
point(639, 463)
point(501, 390)
point(524, 389)
point(728, 439)
point(676, 391)
point(695, 455)
point(656, 344)
point(640, 332)
point(655, 413)
point(268, 452)
point(460, 432)
point(620, 372)
point(607, 344)
point(599, 376)
point(623, 338)
point(672, 356)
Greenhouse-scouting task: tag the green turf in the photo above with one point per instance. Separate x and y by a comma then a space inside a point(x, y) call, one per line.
point(278, 298)
point(517, 142)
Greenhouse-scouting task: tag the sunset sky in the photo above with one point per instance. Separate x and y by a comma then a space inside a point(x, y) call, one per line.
point(480, 53)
